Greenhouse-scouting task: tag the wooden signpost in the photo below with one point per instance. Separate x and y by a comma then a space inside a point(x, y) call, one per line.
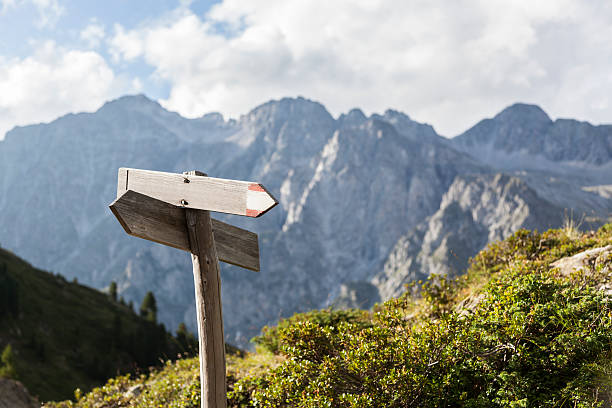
point(174, 210)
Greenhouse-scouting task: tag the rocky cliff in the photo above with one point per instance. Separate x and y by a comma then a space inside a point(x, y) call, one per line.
point(366, 203)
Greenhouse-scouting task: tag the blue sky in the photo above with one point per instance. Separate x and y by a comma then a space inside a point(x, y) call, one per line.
point(82, 26)
point(444, 63)
point(64, 20)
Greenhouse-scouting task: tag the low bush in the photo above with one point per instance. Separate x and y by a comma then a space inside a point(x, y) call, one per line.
point(512, 332)
point(528, 338)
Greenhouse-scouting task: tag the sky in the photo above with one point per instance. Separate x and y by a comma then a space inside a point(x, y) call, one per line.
point(446, 63)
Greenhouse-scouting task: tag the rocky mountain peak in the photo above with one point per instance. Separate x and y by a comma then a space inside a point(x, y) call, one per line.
point(523, 113)
point(516, 127)
point(393, 115)
point(212, 118)
point(354, 117)
point(523, 136)
point(137, 102)
point(285, 122)
point(287, 109)
point(409, 128)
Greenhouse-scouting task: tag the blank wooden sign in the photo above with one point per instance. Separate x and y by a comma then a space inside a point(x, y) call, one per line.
point(155, 220)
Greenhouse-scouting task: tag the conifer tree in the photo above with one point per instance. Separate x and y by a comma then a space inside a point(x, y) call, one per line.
point(148, 308)
point(9, 300)
point(7, 363)
point(112, 290)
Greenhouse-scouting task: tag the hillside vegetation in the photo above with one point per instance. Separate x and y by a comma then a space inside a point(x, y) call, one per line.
point(517, 330)
point(57, 335)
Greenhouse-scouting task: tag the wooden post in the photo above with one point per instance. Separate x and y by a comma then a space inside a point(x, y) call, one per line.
point(208, 307)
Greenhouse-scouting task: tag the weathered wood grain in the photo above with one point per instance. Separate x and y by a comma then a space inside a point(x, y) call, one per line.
point(236, 246)
point(198, 192)
point(208, 306)
point(148, 218)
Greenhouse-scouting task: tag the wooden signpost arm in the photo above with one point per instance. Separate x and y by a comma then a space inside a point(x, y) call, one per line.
point(208, 307)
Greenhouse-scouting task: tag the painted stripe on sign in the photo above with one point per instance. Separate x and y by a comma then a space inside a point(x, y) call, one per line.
point(256, 187)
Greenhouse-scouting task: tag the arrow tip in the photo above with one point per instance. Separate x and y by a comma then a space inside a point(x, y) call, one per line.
point(259, 200)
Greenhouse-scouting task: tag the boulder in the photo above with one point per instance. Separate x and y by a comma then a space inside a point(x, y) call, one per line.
point(14, 395)
point(589, 259)
point(596, 260)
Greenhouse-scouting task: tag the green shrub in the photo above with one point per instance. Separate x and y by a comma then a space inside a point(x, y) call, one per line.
point(511, 332)
point(330, 318)
point(531, 338)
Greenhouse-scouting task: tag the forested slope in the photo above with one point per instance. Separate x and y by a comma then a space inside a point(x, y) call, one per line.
point(57, 335)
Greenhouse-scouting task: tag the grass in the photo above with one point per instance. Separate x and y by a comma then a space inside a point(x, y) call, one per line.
point(571, 227)
point(175, 385)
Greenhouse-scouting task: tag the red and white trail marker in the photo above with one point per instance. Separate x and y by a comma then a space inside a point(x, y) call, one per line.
point(174, 209)
point(198, 192)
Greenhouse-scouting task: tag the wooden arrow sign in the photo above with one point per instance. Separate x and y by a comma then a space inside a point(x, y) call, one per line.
point(146, 217)
point(198, 192)
point(174, 209)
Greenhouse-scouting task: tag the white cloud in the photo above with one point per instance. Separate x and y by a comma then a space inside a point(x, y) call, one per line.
point(447, 63)
point(125, 45)
point(93, 34)
point(53, 82)
point(49, 12)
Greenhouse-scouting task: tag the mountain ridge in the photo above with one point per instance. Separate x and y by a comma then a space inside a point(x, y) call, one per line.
point(350, 188)
point(528, 129)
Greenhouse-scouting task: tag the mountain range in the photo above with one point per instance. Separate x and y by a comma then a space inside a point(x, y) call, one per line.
point(367, 203)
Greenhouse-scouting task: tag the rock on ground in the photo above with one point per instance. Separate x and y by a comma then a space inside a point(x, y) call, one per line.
point(14, 395)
